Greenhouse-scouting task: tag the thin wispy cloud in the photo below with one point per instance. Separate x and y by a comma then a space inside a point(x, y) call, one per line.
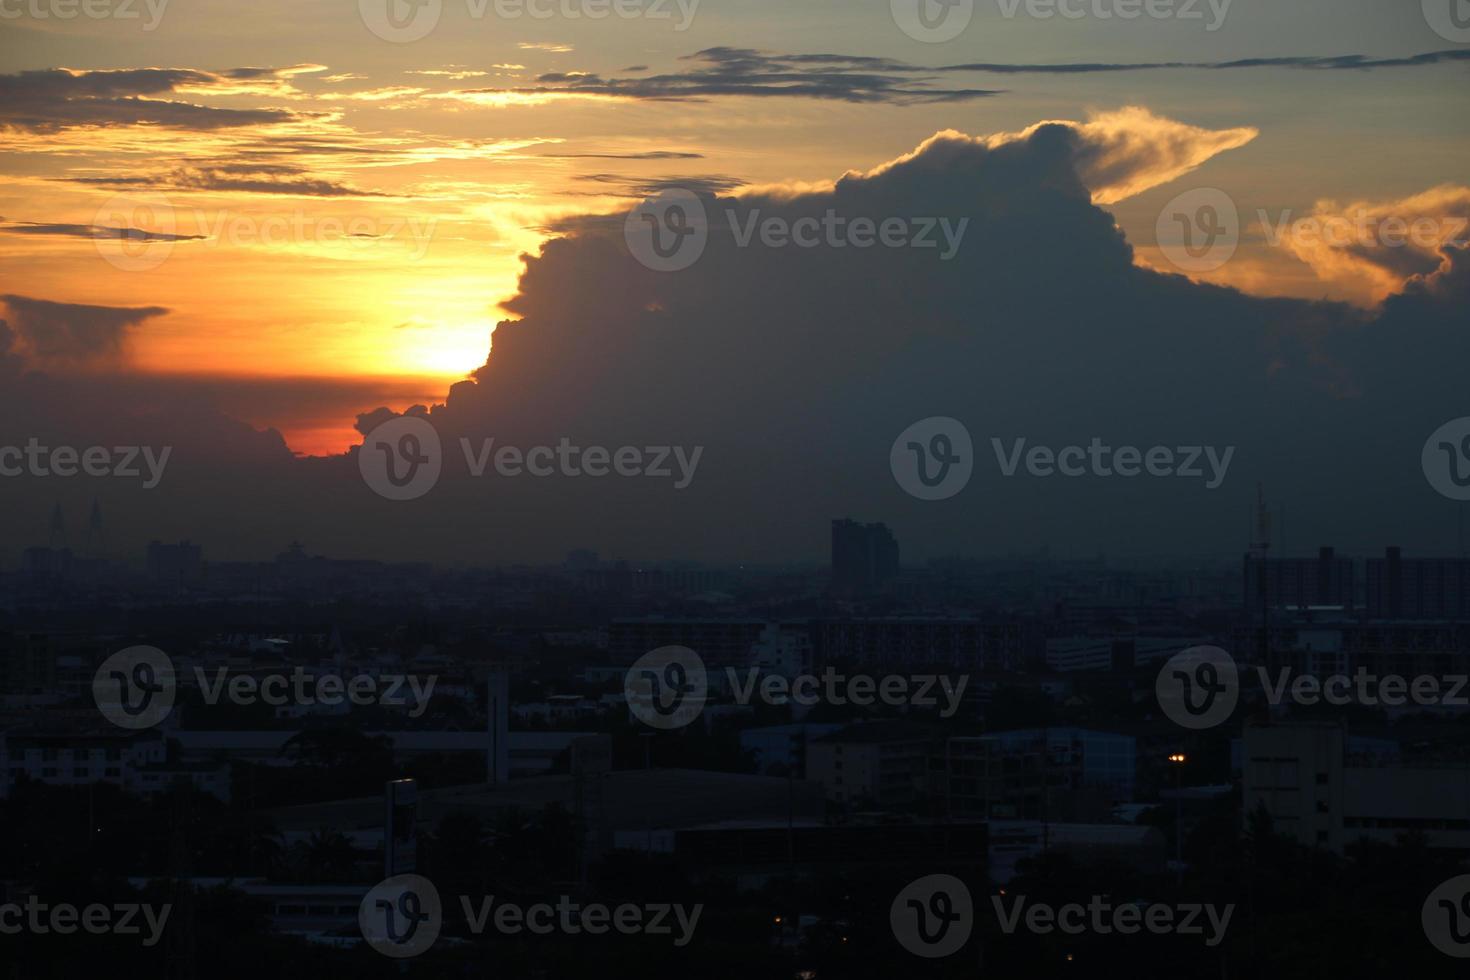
point(60, 98)
point(1346, 62)
point(744, 72)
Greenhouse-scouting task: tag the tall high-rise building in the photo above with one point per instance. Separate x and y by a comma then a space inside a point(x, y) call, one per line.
point(96, 536)
point(1417, 588)
point(1298, 583)
point(175, 566)
point(864, 556)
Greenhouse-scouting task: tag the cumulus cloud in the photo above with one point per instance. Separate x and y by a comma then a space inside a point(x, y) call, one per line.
point(1116, 155)
point(1125, 153)
point(794, 368)
point(1373, 247)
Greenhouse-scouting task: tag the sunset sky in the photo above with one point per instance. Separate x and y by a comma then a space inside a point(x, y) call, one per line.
point(334, 219)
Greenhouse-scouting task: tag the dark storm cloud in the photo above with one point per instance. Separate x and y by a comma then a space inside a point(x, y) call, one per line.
point(71, 334)
point(795, 369)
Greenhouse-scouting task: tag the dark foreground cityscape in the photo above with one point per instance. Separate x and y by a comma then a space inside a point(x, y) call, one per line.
point(1034, 767)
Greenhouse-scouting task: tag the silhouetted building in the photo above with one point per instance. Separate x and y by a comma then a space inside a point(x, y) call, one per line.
point(1301, 775)
point(881, 763)
point(1417, 588)
point(175, 566)
point(1297, 583)
point(864, 556)
point(719, 642)
point(897, 642)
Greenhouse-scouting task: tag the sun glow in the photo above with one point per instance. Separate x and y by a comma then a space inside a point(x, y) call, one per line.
point(446, 349)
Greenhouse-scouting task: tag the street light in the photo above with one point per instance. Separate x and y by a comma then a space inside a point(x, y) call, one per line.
point(1178, 759)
